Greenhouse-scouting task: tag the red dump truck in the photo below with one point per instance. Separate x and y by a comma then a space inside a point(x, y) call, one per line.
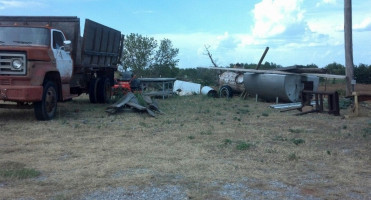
point(44, 60)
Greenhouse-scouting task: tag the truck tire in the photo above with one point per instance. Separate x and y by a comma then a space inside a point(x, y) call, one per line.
point(93, 88)
point(47, 107)
point(104, 91)
point(225, 92)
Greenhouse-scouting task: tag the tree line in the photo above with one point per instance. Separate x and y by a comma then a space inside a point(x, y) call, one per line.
point(146, 58)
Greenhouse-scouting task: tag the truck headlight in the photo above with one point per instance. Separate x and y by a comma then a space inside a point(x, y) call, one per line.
point(17, 64)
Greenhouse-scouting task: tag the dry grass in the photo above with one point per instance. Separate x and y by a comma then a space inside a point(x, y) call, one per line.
point(199, 143)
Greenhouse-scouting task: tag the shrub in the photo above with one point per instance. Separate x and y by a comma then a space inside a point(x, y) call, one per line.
point(279, 138)
point(243, 146)
point(227, 141)
point(209, 132)
point(293, 157)
point(191, 137)
point(366, 132)
point(297, 141)
point(296, 130)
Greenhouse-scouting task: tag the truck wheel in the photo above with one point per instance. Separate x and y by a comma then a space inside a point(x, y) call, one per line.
point(225, 92)
point(104, 91)
point(93, 88)
point(47, 107)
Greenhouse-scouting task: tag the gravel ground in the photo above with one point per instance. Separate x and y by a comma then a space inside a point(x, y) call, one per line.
point(165, 192)
point(245, 189)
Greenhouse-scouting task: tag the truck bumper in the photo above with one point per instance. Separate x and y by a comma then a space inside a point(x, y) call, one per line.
point(21, 93)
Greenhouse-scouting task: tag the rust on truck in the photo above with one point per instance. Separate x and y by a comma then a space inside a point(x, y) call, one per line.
point(44, 60)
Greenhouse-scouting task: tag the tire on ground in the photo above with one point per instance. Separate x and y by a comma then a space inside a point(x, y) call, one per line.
point(104, 90)
point(93, 88)
point(47, 107)
point(225, 91)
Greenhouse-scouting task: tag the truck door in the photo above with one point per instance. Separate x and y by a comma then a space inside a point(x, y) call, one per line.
point(62, 58)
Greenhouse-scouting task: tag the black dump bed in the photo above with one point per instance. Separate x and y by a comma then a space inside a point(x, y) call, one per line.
point(100, 46)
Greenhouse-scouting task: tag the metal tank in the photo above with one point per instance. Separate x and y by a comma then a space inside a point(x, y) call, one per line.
point(286, 88)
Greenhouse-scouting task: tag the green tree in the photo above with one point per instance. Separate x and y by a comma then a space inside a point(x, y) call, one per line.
point(311, 66)
point(250, 66)
point(166, 54)
point(264, 66)
point(199, 75)
point(362, 74)
point(138, 53)
point(165, 60)
point(335, 68)
point(187, 74)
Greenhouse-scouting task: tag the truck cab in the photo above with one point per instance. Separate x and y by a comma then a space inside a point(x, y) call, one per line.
point(44, 60)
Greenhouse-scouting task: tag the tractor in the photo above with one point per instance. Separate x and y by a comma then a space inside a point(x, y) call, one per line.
point(126, 83)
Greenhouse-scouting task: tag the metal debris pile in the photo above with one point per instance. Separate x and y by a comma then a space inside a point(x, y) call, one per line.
point(142, 103)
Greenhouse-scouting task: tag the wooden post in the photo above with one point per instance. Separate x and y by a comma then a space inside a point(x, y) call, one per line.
point(262, 58)
point(356, 105)
point(348, 46)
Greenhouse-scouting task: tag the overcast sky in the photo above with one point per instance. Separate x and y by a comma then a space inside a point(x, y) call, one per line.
point(297, 31)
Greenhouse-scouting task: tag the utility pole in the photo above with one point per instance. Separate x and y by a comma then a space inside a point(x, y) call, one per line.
point(349, 68)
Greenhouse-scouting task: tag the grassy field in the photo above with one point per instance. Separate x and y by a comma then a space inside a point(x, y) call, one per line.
point(207, 148)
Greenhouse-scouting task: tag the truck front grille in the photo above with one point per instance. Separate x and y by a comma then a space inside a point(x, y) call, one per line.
point(5, 82)
point(9, 62)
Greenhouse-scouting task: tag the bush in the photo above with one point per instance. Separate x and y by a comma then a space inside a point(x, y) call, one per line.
point(227, 141)
point(243, 146)
point(297, 141)
point(293, 157)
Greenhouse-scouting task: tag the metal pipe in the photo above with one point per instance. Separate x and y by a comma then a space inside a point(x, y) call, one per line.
point(208, 91)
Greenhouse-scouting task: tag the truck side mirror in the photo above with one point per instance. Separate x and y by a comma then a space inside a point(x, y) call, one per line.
point(67, 45)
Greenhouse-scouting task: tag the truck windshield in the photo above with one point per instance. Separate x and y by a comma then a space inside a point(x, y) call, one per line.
point(24, 36)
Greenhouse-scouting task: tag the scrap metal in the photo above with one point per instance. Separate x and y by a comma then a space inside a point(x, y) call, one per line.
point(131, 101)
